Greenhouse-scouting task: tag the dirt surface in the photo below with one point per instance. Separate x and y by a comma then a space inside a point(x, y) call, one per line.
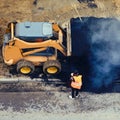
point(55, 104)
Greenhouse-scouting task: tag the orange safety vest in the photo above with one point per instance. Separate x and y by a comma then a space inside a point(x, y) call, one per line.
point(77, 83)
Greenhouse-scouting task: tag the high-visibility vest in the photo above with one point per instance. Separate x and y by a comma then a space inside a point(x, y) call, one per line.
point(77, 83)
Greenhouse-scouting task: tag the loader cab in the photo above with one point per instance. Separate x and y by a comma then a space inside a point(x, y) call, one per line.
point(35, 32)
point(30, 31)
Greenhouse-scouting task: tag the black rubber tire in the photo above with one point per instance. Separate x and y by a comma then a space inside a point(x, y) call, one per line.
point(52, 64)
point(23, 63)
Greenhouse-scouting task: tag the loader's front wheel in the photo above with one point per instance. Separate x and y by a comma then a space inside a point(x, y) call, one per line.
point(52, 67)
point(25, 67)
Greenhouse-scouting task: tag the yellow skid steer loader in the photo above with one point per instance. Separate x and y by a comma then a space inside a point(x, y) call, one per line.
point(30, 44)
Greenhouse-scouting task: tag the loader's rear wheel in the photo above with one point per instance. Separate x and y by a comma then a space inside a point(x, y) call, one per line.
point(52, 67)
point(25, 67)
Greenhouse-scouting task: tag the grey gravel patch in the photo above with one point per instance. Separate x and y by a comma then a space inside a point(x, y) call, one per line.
point(58, 102)
point(56, 105)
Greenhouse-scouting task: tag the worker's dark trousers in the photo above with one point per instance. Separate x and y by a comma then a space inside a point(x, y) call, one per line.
point(74, 92)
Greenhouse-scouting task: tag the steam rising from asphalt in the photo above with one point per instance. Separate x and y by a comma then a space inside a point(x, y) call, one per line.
point(105, 55)
point(99, 40)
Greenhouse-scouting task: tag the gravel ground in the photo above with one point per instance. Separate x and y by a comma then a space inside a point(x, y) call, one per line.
point(56, 105)
point(98, 115)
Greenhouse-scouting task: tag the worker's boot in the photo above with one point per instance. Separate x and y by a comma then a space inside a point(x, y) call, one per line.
point(71, 97)
point(76, 96)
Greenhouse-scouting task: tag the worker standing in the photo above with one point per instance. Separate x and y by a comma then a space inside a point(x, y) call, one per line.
point(76, 83)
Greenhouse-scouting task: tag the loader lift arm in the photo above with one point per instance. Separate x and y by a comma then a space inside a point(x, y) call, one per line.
point(40, 46)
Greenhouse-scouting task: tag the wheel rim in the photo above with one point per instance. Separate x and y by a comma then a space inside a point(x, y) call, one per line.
point(52, 70)
point(25, 70)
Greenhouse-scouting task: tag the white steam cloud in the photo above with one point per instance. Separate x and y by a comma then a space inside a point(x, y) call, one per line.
point(105, 55)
